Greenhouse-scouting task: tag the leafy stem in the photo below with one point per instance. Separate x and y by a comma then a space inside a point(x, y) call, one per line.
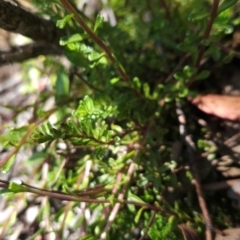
point(95, 38)
point(213, 14)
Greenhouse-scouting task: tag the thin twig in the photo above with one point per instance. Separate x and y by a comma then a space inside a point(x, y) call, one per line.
point(116, 207)
point(227, 49)
point(232, 139)
point(191, 148)
point(180, 63)
point(64, 196)
point(148, 226)
point(86, 82)
point(213, 14)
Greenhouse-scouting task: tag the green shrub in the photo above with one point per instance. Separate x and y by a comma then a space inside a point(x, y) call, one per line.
point(114, 117)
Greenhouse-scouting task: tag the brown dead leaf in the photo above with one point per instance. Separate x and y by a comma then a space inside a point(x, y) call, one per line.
point(229, 234)
point(188, 232)
point(222, 106)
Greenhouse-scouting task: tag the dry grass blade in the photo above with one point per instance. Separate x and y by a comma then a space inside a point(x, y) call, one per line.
point(188, 232)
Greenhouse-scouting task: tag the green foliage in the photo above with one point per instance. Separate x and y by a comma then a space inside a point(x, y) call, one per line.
point(110, 132)
point(62, 23)
point(163, 228)
point(98, 23)
point(225, 5)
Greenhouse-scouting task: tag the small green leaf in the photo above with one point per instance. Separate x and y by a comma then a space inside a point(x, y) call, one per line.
point(87, 237)
point(42, 138)
point(114, 80)
point(228, 58)
point(168, 99)
point(6, 192)
point(189, 175)
point(15, 187)
point(168, 166)
point(62, 86)
point(69, 39)
point(136, 82)
point(203, 75)
point(98, 23)
point(61, 23)
point(172, 221)
point(77, 59)
point(112, 200)
point(162, 229)
point(183, 93)
point(7, 166)
point(13, 136)
point(87, 104)
point(146, 89)
point(138, 215)
point(179, 76)
point(45, 127)
point(95, 56)
point(211, 156)
point(202, 14)
point(132, 197)
point(116, 128)
point(78, 47)
point(189, 71)
point(127, 156)
point(225, 5)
